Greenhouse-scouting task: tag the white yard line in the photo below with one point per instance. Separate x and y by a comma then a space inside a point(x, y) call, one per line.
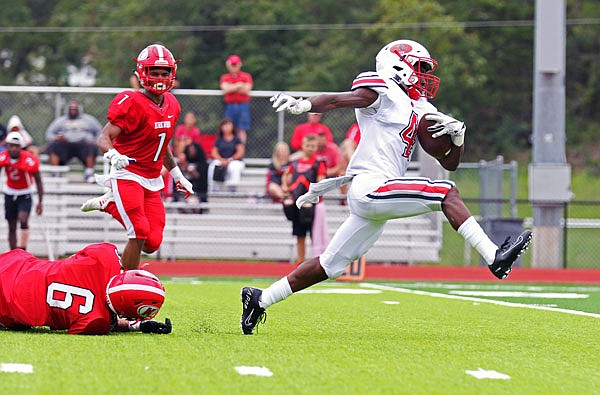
point(16, 368)
point(479, 300)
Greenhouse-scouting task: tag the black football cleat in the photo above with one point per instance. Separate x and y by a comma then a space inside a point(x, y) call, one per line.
point(252, 313)
point(508, 253)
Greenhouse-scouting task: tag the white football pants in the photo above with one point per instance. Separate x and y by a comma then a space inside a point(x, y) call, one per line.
point(372, 202)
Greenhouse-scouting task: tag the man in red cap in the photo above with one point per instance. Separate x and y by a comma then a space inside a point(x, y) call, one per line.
point(236, 86)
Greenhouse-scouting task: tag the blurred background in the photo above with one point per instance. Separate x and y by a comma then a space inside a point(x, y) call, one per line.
point(55, 50)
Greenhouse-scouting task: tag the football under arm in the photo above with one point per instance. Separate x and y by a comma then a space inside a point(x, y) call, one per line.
point(451, 161)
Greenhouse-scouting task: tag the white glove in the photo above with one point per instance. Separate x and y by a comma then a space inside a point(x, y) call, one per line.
point(308, 197)
point(281, 102)
point(117, 160)
point(447, 125)
point(181, 183)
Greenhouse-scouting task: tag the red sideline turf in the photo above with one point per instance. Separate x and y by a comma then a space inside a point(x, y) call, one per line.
point(376, 272)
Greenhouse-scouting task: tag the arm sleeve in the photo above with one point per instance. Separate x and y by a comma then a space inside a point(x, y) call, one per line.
point(95, 326)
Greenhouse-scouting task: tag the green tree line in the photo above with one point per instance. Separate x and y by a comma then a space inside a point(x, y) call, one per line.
point(484, 49)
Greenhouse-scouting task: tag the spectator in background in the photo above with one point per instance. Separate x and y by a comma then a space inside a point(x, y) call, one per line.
point(353, 133)
point(228, 152)
point(236, 86)
point(296, 180)
point(186, 133)
point(74, 135)
point(194, 166)
point(312, 126)
point(3, 133)
point(21, 168)
point(279, 163)
point(329, 153)
point(15, 125)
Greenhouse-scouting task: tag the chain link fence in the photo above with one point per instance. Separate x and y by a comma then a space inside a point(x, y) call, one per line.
point(488, 187)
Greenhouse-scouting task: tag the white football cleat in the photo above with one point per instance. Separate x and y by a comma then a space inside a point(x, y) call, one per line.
point(98, 203)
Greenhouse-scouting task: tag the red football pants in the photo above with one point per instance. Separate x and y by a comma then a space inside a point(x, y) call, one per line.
point(140, 211)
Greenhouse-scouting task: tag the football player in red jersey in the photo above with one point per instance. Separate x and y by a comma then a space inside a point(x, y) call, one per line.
point(21, 168)
point(135, 140)
point(87, 293)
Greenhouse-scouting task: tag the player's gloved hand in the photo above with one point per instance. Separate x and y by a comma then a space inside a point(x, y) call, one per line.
point(156, 327)
point(308, 197)
point(447, 125)
point(281, 102)
point(181, 183)
point(117, 160)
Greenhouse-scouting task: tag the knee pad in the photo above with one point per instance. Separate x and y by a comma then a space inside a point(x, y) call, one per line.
point(142, 230)
point(333, 264)
point(153, 241)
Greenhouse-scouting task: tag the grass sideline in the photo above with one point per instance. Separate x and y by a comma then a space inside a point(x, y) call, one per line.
point(322, 343)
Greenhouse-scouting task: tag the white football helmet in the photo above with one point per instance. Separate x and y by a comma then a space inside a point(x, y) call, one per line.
point(409, 64)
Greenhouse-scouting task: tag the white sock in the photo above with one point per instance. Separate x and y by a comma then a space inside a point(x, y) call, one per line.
point(276, 292)
point(88, 171)
point(473, 233)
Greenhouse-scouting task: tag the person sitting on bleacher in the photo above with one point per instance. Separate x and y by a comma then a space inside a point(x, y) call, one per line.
point(16, 125)
point(228, 152)
point(194, 167)
point(74, 135)
point(279, 164)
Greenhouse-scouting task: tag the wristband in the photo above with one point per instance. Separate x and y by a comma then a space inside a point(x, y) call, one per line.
point(110, 153)
point(304, 105)
point(176, 173)
point(134, 326)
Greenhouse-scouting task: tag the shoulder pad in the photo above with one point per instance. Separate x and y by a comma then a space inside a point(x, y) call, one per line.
point(369, 79)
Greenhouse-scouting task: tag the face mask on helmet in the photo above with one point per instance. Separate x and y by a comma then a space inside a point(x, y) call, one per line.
point(409, 64)
point(135, 294)
point(156, 57)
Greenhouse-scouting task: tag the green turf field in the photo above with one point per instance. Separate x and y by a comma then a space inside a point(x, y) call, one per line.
point(384, 338)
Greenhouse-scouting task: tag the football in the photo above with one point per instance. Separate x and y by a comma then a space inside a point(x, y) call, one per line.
point(437, 147)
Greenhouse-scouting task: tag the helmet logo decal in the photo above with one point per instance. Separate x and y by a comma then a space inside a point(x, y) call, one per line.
point(401, 49)
point(147, 311)
point(144, 54)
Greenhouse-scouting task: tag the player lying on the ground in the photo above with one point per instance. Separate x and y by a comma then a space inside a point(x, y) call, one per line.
point(87, 293)
point(388, 103)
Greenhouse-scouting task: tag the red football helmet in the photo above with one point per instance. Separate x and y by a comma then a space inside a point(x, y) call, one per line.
point(156, 56)
point(135, 294)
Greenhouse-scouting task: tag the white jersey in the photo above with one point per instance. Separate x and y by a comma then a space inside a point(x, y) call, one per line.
point(387, 129)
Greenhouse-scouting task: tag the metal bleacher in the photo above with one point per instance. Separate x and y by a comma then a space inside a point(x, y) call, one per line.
point(238, 226)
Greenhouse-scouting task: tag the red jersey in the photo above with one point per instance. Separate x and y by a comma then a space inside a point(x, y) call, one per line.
point(304, 171)
point(19, 172)
point(353, 133)
point(64, 294)
point(236, 97)
point(308, 128)
point(193, 134)
point(330, 154)
point(146, 127)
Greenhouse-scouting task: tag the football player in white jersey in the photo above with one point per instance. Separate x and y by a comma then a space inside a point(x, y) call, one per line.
point(388, 103)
